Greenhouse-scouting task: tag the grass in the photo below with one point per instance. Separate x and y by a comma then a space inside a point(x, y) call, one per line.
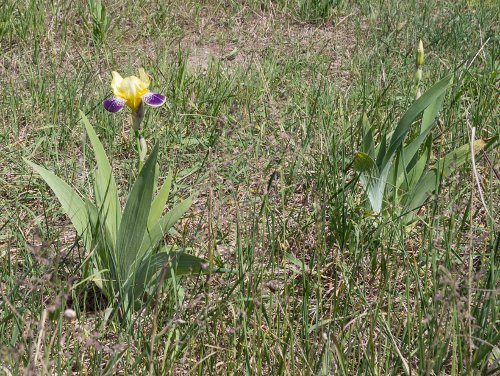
point(264, 103)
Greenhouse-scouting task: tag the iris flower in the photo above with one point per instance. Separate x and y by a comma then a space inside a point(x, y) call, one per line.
point(132, 91)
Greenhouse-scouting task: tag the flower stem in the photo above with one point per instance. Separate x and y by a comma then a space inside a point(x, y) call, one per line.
point(141, 148)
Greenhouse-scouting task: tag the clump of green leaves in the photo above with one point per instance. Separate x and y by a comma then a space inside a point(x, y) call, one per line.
point(403, 173)
point(126, 247)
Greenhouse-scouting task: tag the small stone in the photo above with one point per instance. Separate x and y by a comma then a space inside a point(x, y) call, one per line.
point(69, 314)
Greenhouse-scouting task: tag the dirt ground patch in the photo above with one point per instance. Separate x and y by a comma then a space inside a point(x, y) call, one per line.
point(251, 37)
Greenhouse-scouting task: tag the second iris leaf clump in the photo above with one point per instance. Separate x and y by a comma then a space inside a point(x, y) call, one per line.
point(402, 174)
point(126, 248)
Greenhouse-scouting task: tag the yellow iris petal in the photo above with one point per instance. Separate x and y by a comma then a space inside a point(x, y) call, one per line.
point(144, 77)
point(131, 88)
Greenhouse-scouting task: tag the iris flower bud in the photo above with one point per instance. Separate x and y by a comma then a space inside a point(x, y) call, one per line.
point(420, 54)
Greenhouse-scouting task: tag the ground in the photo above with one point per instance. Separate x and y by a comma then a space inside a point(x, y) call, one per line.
point(262, 123)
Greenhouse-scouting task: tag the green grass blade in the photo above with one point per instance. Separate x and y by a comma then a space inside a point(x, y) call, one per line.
point(156, 233)
point(135, 217)
point(106, 191)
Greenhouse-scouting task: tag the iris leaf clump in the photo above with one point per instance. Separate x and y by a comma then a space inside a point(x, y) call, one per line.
point(403, 174)
point(126, 247)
